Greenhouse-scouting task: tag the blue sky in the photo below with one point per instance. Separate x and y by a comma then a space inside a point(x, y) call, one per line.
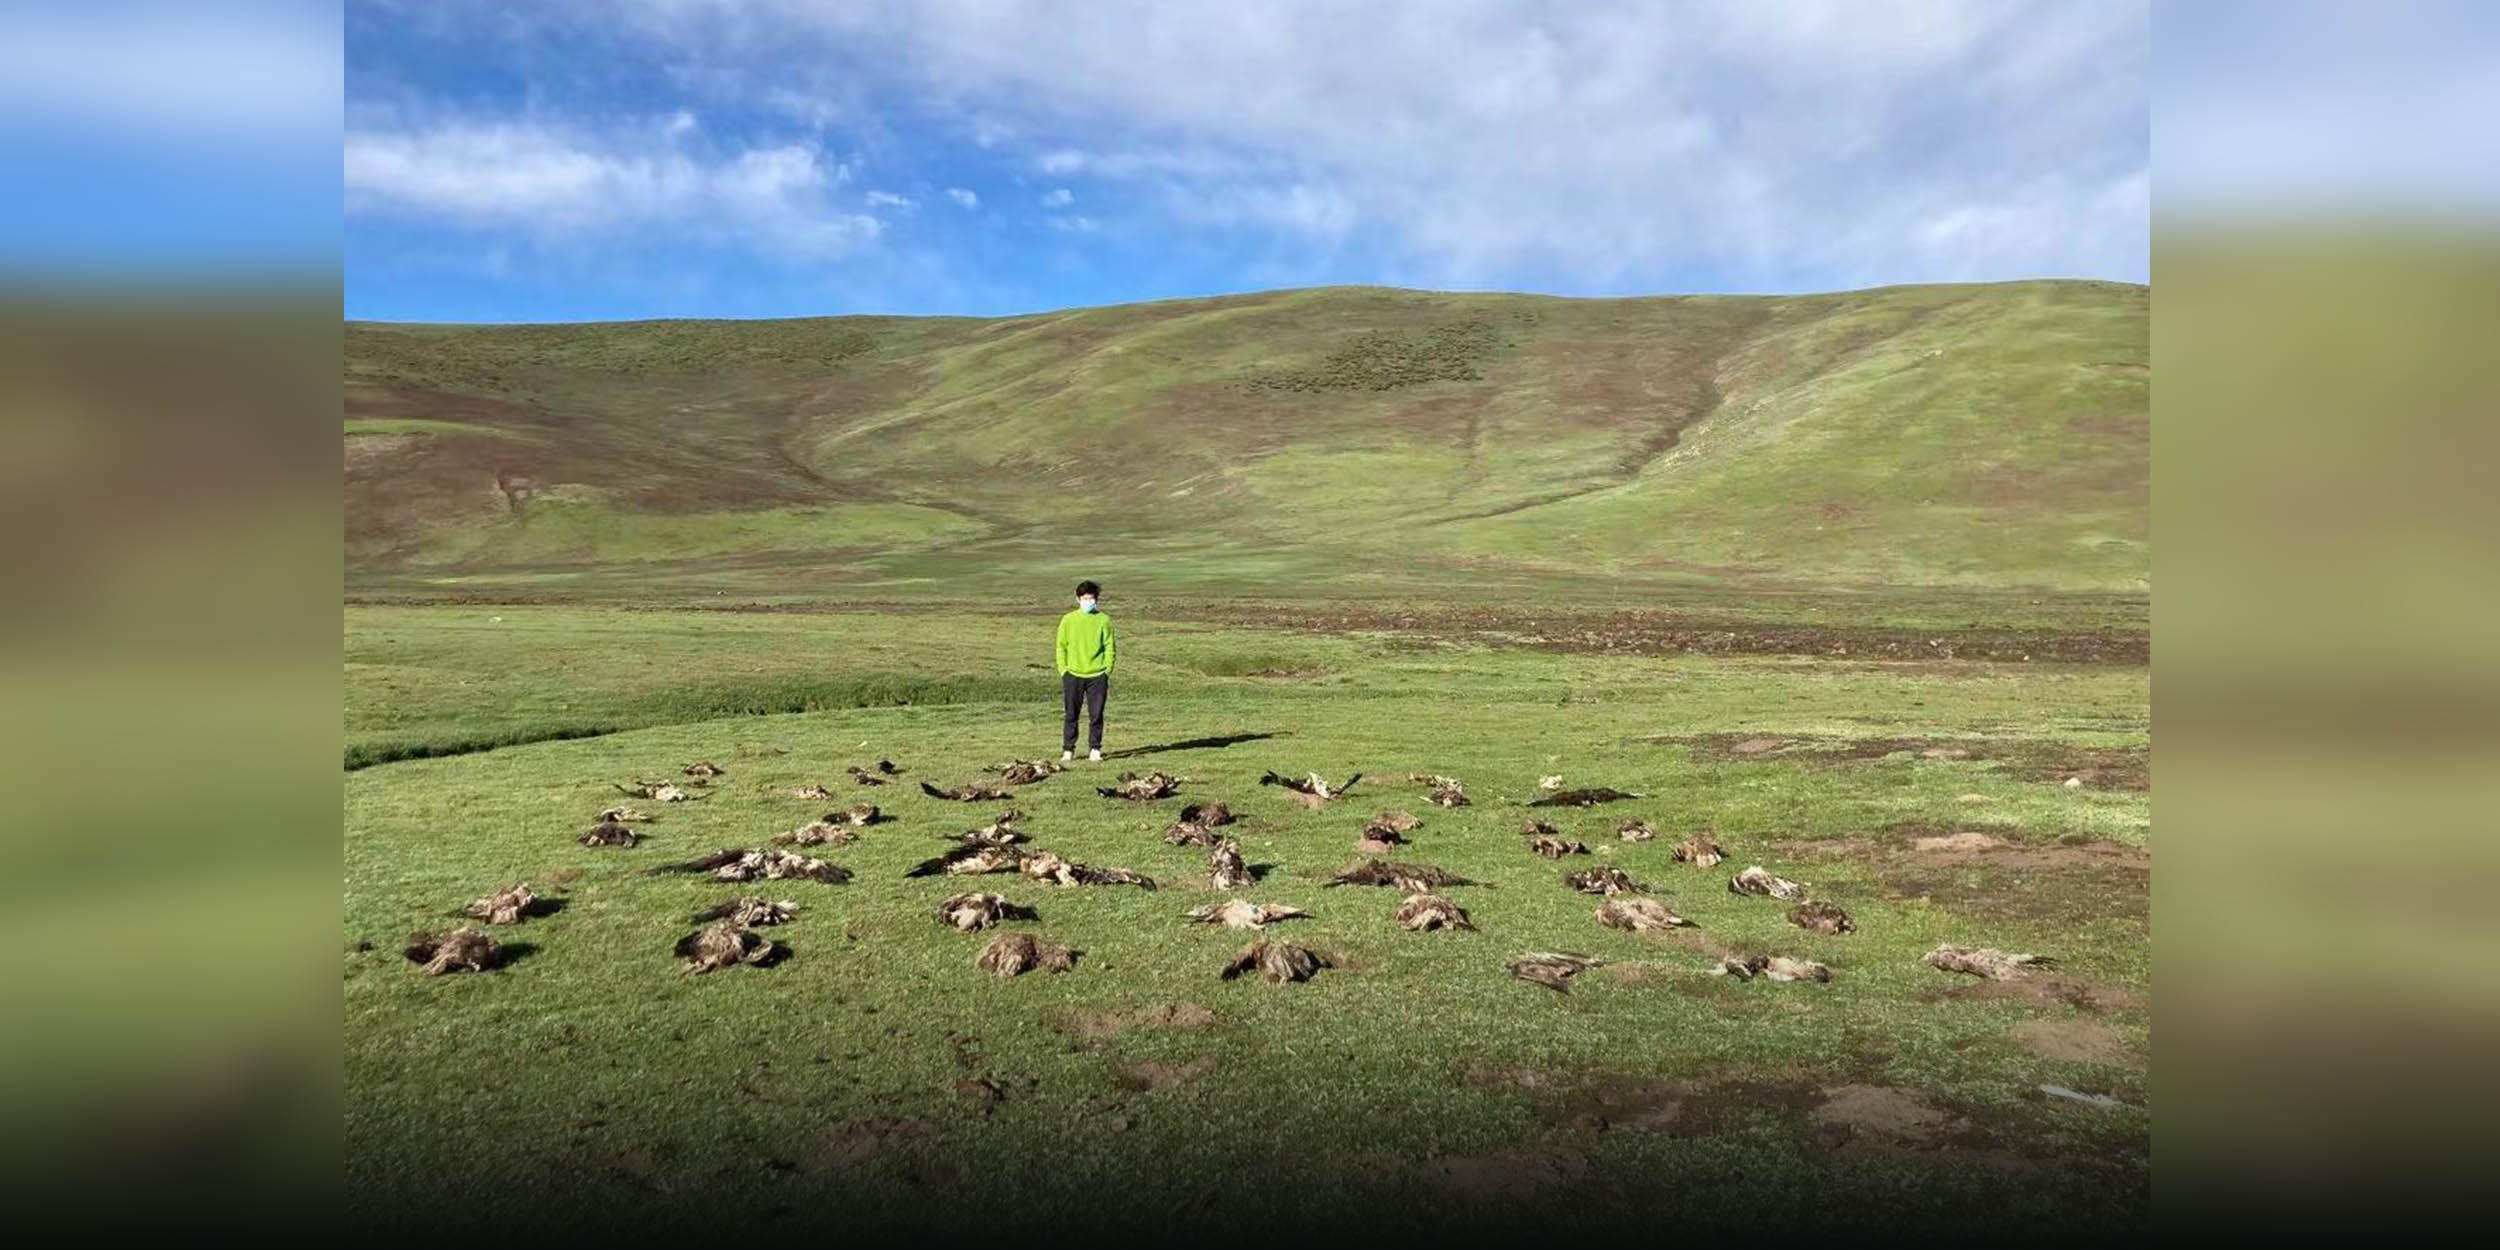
point(639, 158)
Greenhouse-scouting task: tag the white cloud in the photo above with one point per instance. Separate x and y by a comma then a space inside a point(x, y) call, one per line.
point(963, 197)
point(887, 199)
point(1059, 198)
point(557, 180)
point(1302, 212)
point(1075, 225)
point(1770, 145)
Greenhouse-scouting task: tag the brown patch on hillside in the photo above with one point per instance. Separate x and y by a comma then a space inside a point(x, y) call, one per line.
point(399, 485)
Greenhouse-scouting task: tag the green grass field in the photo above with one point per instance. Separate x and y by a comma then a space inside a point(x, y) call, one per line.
point(589, 1081)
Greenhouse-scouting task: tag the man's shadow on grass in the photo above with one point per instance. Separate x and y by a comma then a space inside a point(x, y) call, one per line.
point(1190, 744)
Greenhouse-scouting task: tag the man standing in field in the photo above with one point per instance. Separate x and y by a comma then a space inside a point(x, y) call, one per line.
point(1085, 655)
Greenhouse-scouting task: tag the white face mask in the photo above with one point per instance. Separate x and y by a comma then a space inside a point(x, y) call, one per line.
point(1085, 604)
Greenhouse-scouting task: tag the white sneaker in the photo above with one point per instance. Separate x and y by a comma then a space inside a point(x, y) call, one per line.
point(1065, 756)
point(1094, 755)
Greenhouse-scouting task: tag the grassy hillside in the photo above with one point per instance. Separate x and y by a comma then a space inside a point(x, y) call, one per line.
point(1358, 439)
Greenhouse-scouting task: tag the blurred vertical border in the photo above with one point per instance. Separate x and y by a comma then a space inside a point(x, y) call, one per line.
point(169, 337)
point(2327, 307)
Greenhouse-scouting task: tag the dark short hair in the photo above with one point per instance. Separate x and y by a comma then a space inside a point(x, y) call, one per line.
point(1089, 588)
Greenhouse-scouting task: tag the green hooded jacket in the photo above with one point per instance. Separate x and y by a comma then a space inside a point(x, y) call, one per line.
point(1085, 645)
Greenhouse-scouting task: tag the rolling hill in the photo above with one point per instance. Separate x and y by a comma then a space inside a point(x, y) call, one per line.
point(1337, 441)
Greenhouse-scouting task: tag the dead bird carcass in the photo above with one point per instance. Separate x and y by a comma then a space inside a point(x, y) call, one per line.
point(1639, 915)
point(1024, 772)
point(1045, 866)
point(1758, 882)
point(968, 792)
point(764, 864)
point(819, 833)
point(723, 945)
point(1001, 831)
point(609, 833)
point(505, 906)
point(1012, 954)
point(1821, 917)
point(1552, 969)
point(1226, 869)
point(1238, 914)
point(970, 859)
point(1385, 833)
point(1982, 961)
point(1445, 791)
point(1279, 962)
point(1310, 790)
point(660, 791)
point(972, 911)
point(1771, 968)
point(1552, 847)
point(1191, 833)
point(1699, 850)
point(1609, 880)
point(873, 776)
point(749, 911)
point(1423, 913)
point(1412, 878)
point(1144, 789)
point(461, 950)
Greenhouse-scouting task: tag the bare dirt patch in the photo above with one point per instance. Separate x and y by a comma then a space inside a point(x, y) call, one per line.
point(1503, 1175)
point(1479, 1073)
point(1677, 1108)
point(2032, 759)
point(856, 1139)
point(1638, 1106)
point(1990, 875)
point(1095, 1024)
point(1963, 843)
point(1881, 1114)
point(1863, 1119)
point(2038, 989)
point(2075, 1041)
point(1150, 1075)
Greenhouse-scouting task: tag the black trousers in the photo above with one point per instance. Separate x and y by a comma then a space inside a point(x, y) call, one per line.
point(1082, 692)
